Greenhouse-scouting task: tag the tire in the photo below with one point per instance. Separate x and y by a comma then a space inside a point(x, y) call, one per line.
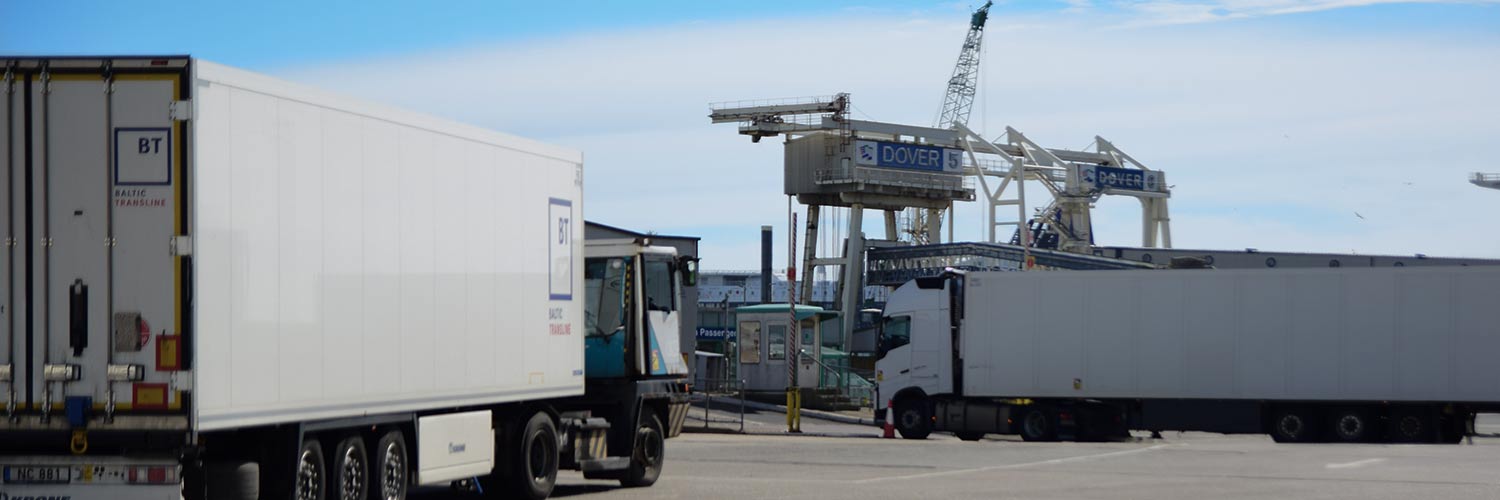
point(1412, 425)
point(649, 454)
point(390, 468)
point(1353, 425)
point(1038, 425)
point(913, 418)
point(1294, 425)
point(349, 469)
point(194, 483)
point(1455, 427)
point(311, 481)
point(969, 436)
point(232, 480)
point(535, 461)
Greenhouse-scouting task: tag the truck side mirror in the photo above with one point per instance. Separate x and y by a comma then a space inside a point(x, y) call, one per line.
point(689, 266)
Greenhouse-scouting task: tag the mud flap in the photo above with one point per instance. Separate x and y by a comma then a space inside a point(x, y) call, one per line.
point(677, 410)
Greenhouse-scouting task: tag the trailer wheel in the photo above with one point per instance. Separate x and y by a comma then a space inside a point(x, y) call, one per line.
point(1353, 425)
point(1412, 425)
point(536, 459)
point(649, 454)
point(390, 471)
point(350, 468)
point(913, 418)
point(312, 472)
point(1294, 425)
point(230, 480)
point(1038, 424)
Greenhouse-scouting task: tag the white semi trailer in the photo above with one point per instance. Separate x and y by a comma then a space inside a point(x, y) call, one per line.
point(1340, 354)
point(218, 285)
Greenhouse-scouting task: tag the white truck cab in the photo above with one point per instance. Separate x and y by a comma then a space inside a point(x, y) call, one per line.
point(911, 358)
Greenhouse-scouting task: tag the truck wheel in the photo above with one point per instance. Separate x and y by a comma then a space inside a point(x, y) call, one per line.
point(969, 436)
point(1455, 427)
point(649, 454)
point(312, 472)
point(234, 479)
point(1293, 425)
point(350, 469)
point(536, 459)
point(913, 418)
point(1038, 424)
point(1412, 425)
point(1353, 425)
point(390, 473)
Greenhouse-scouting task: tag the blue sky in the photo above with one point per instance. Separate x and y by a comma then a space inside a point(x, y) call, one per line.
point(1277, 120)
point(273, 33)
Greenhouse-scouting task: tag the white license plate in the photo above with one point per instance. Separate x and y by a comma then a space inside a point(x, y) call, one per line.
point(28, 474)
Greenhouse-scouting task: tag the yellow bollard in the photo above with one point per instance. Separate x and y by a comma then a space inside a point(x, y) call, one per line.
point(793, 409)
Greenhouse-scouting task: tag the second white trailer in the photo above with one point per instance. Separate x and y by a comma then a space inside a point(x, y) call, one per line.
point(1347, 354)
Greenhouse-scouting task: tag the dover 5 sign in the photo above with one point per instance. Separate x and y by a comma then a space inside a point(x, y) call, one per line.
point(1119, 178)
point(908, 156)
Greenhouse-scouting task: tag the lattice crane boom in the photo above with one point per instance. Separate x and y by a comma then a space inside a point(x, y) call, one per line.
point(959, 99)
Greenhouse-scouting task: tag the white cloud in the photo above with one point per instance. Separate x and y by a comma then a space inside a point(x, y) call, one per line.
point(1272, 141)
point(1166, 12)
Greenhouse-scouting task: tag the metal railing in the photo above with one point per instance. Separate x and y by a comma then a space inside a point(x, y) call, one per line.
point(885, 177)
point(728, 391)
point(1484, 177)
point(846, 379)
point(772, 102)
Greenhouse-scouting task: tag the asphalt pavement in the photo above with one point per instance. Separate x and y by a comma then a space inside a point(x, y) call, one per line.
point(845, 461)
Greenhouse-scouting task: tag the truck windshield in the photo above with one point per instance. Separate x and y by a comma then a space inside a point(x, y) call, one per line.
point(659, 296)
point(604, 279)
point(895, 331)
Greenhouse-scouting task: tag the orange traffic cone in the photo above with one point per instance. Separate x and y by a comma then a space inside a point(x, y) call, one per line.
point(890, 420)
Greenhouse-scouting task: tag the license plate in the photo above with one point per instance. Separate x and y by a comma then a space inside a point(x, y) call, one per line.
point(37, 474)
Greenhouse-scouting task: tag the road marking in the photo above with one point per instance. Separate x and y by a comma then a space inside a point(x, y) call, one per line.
point(1354, 464)
point(1054, 461)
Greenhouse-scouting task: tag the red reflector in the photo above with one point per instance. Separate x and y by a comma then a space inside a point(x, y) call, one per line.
point(151, 475)
point(158, 62)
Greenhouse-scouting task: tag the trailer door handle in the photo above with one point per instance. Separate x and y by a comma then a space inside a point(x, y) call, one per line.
point(78, 317)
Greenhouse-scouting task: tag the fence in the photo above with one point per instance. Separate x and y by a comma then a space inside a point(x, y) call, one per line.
point(729, 394)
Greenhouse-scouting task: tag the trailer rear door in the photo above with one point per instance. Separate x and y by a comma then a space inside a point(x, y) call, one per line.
point(98, 204)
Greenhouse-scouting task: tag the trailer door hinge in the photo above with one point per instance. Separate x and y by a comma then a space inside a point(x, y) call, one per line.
point(181, 246)
point(181, 110)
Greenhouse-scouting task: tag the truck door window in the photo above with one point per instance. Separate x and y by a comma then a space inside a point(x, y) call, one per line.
point(604, 310)
point(895, 332)
point(659, 296)
point(749, 342)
